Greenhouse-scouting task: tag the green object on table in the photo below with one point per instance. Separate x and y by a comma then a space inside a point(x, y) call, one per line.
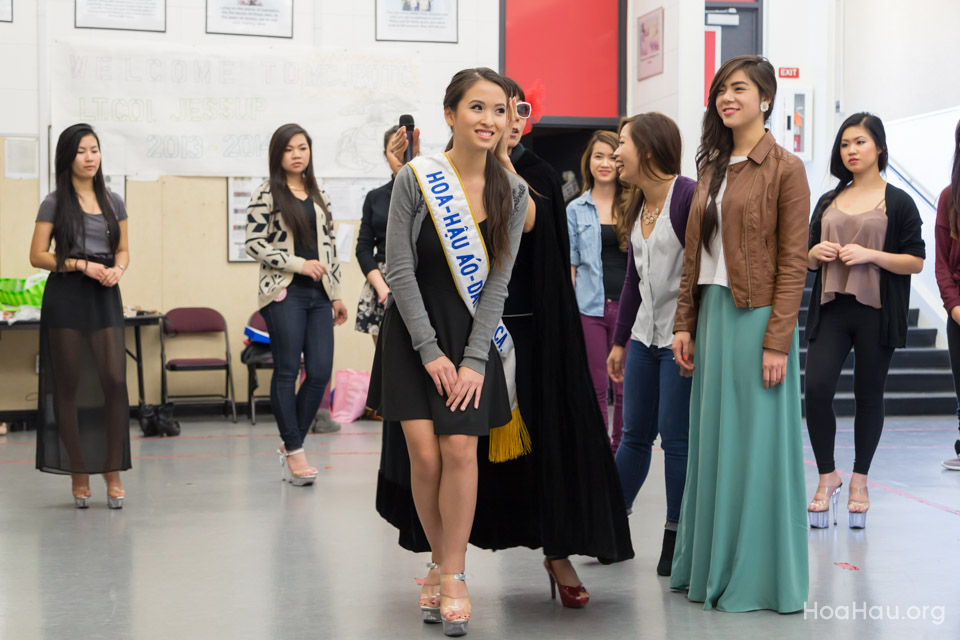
point(23, 292)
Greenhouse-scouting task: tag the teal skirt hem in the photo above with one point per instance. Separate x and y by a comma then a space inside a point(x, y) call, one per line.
point(742, 538)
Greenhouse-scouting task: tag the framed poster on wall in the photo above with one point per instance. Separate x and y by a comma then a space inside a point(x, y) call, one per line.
point(6, 10)
point(130, 15)
point(266, 18)
point(417, 20)
point(239, 192)
point(650, 44)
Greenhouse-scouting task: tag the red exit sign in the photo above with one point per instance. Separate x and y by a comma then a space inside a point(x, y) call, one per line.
point(789, 72)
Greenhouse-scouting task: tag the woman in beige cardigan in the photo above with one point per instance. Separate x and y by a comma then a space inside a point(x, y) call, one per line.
point(290, 232)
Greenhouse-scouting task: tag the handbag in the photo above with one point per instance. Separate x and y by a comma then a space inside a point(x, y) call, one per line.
point(350, 395)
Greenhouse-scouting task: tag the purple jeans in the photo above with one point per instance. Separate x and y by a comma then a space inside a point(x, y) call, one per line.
point(598, 334)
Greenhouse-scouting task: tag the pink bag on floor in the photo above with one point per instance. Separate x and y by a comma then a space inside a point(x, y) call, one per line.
point(350, 395)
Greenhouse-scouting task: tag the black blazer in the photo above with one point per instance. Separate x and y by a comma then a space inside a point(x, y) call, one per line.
point(903, 236)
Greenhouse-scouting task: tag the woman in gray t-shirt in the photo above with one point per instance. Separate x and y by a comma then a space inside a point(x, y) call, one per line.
point(84, 424)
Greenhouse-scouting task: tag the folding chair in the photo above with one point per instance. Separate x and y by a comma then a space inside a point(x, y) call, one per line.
point(256, 356)
point(193, 321)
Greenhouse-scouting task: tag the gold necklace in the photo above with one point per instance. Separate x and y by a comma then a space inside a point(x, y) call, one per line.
point(650, 216)
point(296, 189)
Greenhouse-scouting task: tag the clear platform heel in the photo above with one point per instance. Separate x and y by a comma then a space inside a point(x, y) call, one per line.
point(858, 519)
point(298, 479)
point(455, 612)
point(430, 599)
point(818, 511)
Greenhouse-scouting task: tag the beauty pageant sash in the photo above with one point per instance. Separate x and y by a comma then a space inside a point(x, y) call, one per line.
point(469, 264)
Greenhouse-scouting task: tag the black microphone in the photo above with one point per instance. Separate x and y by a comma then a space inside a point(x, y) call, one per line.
point(406, 121)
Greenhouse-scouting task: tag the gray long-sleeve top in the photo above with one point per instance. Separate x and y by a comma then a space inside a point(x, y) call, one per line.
point(407, 212)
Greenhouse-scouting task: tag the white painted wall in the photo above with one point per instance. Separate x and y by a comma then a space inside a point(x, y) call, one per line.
point(899, 58)
point(678, 91)
point(803, 35)
point(18, 72)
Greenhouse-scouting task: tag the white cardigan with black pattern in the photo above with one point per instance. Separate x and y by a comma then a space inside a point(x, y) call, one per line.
point(270, 242)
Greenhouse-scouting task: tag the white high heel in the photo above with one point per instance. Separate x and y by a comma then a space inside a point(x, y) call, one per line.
point(303, 479)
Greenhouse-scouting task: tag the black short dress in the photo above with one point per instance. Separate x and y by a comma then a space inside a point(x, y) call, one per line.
point(400, 387)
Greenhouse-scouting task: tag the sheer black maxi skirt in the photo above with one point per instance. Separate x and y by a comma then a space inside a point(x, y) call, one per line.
point(84, 414)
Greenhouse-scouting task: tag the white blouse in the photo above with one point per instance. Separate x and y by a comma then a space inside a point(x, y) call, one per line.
point(713, 265)
point(659, 263)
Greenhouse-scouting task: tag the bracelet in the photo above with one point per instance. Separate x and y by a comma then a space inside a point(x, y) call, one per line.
point(121, 267)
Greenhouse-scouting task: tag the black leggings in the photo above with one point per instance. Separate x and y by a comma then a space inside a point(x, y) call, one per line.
point(953, 342)
point(844, 322)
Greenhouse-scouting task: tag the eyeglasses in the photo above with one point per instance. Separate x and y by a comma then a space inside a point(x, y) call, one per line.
point(524, 110)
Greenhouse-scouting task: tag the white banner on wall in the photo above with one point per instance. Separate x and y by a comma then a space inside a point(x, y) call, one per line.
point(132, 15)
point(210, 111)
point(272, 18)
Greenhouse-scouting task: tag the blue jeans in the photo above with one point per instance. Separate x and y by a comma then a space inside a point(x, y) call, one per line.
point(656, 399)
point(300, 323)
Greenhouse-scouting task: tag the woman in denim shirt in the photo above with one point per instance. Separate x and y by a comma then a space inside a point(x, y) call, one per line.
point(598, 262)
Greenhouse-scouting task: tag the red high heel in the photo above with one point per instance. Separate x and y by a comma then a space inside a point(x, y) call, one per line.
point(572, 597)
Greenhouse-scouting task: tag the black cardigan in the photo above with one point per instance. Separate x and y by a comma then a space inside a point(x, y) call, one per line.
point(372, 237)
point(903, 236)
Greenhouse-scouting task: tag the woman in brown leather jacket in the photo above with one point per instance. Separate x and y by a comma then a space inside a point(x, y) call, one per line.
point(742, 538)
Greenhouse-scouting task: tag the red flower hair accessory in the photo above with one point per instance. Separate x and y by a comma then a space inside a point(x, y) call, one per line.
point(536, 97)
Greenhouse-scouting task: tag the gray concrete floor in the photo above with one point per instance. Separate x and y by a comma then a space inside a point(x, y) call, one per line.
point(210, 544)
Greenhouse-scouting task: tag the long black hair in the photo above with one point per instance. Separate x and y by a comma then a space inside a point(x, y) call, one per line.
point(283, 199)
point(69, 229)
point(716, 142)
point(497, 196)
point(874, 127)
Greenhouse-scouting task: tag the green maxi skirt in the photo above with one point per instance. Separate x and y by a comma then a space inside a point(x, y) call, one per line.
point(742, 538)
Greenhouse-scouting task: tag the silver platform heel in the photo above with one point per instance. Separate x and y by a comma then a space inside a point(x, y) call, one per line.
point(113, 502)
point(858, 519)
point(286, 473)
point(821, 519)
point(81, 502)
point(454, 612)
point(431, 615)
